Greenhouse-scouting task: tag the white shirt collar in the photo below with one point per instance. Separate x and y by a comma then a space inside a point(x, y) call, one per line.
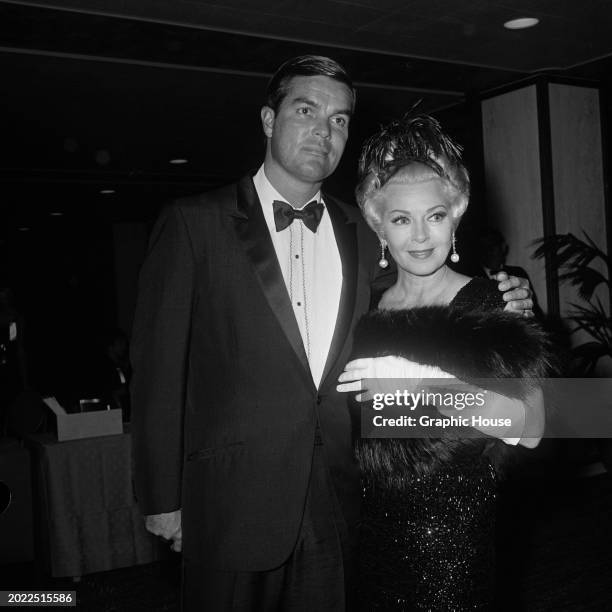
point(267, 192)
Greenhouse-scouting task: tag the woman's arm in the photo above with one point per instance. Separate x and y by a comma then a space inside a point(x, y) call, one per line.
point(529, 413)
point(523, 420)
point(371, 375)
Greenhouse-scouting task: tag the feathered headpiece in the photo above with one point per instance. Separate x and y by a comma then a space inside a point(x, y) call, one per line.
point(413, 138)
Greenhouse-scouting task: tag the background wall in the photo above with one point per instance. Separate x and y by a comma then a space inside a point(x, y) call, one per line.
point(513, 177)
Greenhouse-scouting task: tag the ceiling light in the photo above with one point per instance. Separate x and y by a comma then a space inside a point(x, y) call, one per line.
point(178, 161)
point(24, 229)
point(107, 191)
point(56, 214)
point(521, 23)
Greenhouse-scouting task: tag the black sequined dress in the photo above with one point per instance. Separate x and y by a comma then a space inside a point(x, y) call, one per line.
point(427, 537)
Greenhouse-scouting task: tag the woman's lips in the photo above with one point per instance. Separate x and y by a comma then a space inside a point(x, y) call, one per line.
point(423, 254)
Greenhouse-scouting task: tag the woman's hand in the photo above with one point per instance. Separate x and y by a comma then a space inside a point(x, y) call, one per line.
point(371, 375)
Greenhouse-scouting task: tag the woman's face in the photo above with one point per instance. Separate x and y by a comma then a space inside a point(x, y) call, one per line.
point(417, 224)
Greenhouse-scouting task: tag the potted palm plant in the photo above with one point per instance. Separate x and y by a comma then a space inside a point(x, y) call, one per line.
point(574, 259)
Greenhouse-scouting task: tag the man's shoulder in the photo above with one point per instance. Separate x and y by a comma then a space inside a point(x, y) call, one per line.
point(516, 271)
point(351, 211)
point(216, 198)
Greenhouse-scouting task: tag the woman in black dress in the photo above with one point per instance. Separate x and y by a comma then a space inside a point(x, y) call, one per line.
point(429, 503)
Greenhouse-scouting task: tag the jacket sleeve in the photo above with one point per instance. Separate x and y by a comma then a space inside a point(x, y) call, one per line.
point(160, 343)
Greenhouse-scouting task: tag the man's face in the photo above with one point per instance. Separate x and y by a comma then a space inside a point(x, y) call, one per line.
point(307, 133)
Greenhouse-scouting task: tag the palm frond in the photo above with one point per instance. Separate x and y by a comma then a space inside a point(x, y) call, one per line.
point(573, 257)
point(593, 319)
point(568, 249)
point(586, 280)
point(587, 355)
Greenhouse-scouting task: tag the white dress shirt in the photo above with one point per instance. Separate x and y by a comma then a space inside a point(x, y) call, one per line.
point(312, 271)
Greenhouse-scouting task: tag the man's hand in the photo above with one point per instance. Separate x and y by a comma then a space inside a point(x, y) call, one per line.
point(167, 526)
point(517, 294)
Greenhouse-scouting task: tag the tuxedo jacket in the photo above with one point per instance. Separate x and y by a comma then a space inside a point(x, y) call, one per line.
point(519, 273)
point(224, 406)
point(510, 270)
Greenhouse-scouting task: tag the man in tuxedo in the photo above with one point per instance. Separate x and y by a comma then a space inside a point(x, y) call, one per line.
point(247, 299)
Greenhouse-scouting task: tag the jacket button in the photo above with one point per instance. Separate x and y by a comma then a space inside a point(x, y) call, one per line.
point(319, 400)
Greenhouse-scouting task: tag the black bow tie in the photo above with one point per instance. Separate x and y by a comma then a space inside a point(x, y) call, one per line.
point(310, 215)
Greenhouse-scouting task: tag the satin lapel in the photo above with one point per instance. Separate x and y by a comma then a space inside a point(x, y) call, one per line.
point(253, 233)
point(345, 232)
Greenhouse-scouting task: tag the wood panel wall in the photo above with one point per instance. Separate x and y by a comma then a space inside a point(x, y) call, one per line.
point(578, 174)
point(513, 177)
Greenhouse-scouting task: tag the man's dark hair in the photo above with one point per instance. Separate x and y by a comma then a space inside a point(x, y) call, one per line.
point(304, 65)
point(490, 238)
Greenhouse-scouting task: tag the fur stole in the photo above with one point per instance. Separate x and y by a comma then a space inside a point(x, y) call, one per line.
point(470, 344)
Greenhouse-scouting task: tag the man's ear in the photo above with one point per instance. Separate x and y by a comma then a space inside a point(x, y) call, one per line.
point(267, 120)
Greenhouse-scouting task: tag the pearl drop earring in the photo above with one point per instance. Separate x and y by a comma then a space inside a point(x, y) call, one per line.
point(454, 256)
point(383, 262)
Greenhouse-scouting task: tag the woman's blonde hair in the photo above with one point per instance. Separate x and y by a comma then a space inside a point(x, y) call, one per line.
point(410, 150)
